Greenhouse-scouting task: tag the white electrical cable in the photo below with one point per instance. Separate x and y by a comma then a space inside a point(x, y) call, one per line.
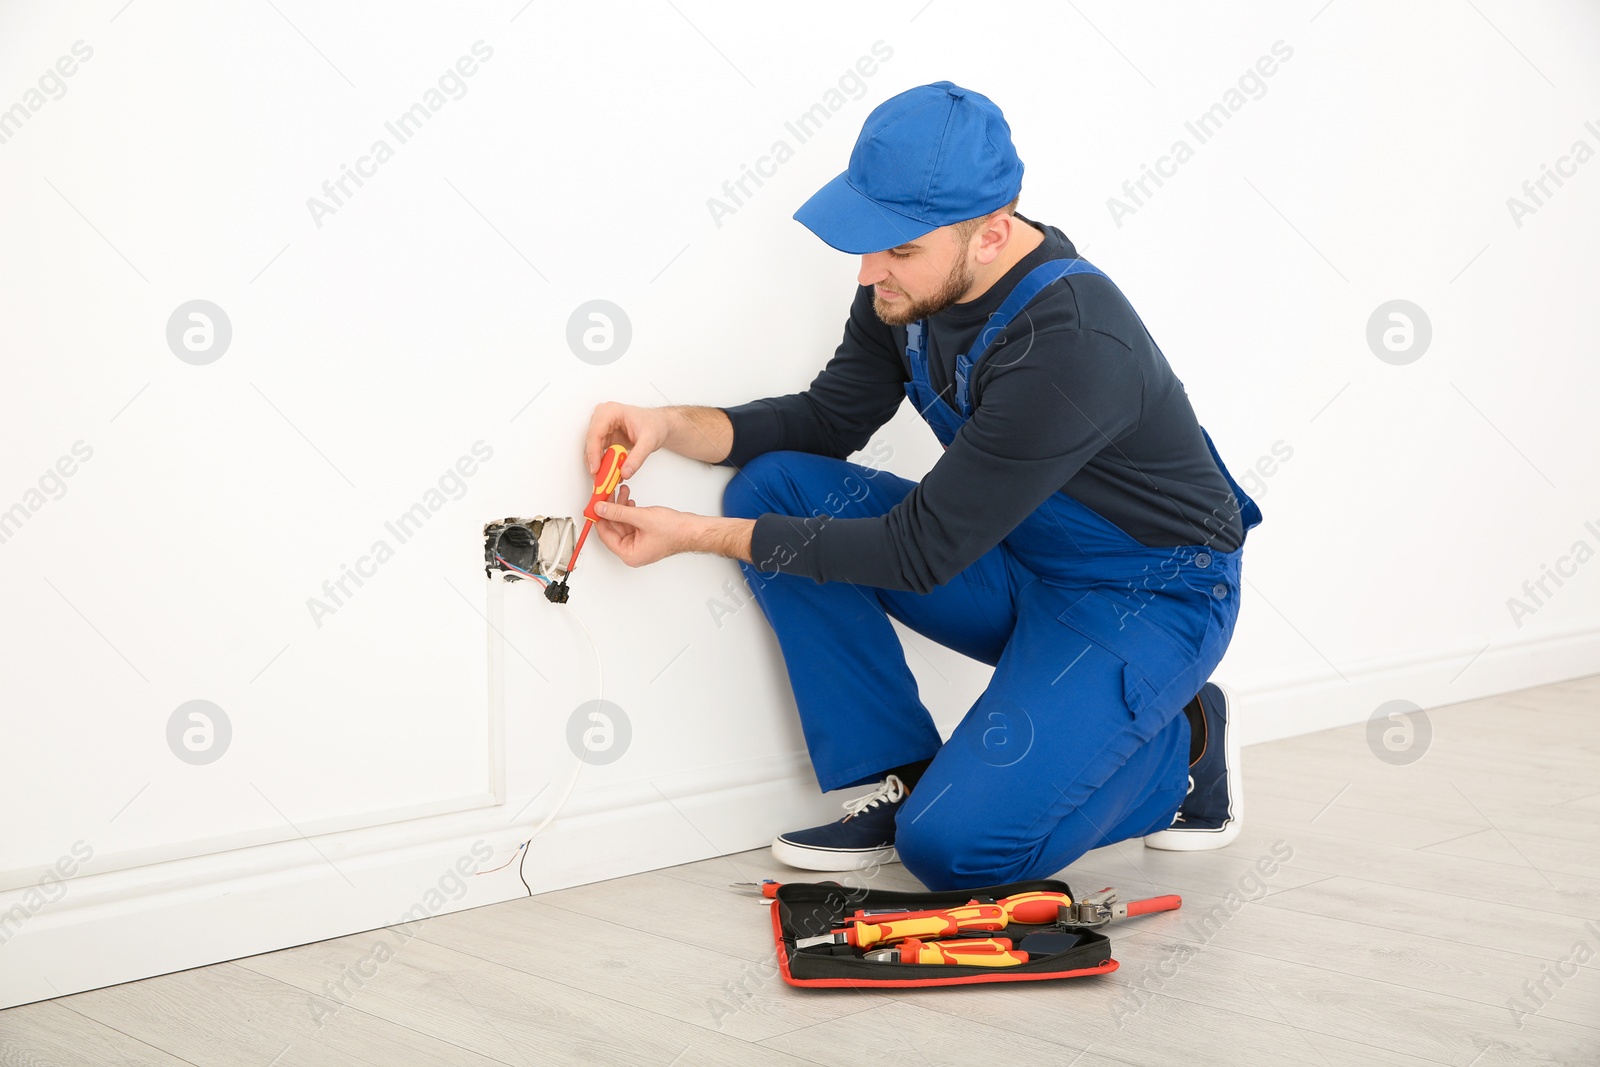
point(572, 782)
point(556, 551)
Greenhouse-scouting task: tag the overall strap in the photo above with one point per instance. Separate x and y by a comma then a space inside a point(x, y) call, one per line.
point(915, 354)
point(1015, 301)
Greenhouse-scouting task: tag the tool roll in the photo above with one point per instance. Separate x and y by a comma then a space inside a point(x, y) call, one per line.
point(832, 935)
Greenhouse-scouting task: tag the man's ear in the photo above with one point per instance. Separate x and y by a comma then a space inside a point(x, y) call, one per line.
point(992, 237)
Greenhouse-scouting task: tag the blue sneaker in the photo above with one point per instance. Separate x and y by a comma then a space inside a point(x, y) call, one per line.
point(863, 838)
point(1210, 816)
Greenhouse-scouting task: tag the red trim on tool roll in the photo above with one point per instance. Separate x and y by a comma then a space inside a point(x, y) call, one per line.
point(998, 976)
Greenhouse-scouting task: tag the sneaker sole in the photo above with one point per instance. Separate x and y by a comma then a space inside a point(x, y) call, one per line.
point(1201, 840)
point(829, 859)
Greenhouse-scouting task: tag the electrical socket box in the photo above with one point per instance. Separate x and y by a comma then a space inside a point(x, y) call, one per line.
point(539, 547)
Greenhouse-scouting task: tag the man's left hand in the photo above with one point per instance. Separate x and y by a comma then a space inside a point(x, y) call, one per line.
point(643, 535)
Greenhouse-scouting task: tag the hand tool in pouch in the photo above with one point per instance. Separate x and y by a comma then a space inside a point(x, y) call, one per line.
point(1097, 909)
point(918, 924)
point(973, 952)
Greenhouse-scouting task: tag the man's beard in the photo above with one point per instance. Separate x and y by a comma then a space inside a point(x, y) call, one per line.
point(905, 311)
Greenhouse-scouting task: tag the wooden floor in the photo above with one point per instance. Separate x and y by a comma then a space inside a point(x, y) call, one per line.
point(1432, 913)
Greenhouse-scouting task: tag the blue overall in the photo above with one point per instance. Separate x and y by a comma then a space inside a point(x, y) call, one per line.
point(1097, 642)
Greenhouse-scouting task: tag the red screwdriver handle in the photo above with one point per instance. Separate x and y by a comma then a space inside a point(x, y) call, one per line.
point(606, 479)
point(988, 952)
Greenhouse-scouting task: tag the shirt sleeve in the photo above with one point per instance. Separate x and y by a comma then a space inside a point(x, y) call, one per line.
point(1036, 422)
point(855, 393)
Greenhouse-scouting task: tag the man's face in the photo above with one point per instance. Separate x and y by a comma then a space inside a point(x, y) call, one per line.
point(919, 278)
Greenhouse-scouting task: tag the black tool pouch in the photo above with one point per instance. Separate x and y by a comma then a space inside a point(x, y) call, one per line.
point(803, 909)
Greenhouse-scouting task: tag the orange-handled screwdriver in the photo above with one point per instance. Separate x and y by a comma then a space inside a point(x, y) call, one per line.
point(913, 924)
point(1040, 908)
point(606, 480)
point(975, 952)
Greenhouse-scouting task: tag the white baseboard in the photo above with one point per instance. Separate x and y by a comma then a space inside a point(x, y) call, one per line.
point(123, 925)
point(1290, 707)
point(120, 926)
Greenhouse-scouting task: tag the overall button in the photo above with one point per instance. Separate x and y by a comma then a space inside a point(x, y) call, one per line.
point(1220, 591)
point(1202, 559)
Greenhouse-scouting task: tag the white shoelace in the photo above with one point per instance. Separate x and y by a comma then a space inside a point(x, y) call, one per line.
point(892, 790)
point(1176, 819)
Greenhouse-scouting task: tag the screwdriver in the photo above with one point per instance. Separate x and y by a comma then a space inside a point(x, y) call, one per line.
point(1032, 908)
point(874, 927)
point(985, 952)
point(913, 924)
point(606, 480)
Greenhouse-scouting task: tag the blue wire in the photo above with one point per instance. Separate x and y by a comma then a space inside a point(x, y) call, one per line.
point(526, 574)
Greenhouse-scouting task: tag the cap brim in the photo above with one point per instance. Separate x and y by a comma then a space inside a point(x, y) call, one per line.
point(852, 223)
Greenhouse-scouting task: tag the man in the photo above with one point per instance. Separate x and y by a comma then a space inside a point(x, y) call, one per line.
point(1079, 532)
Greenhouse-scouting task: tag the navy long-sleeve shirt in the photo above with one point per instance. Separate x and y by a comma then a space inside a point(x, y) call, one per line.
point(1093, 411)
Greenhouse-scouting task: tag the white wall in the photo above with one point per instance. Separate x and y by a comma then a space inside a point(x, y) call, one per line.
point(383, 751)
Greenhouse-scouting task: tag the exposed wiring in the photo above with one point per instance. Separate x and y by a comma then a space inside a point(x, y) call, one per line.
point(504, 865)
point(526, 574)
point(520, 849)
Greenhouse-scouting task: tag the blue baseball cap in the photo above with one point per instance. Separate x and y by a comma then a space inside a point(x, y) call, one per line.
point(929, 157)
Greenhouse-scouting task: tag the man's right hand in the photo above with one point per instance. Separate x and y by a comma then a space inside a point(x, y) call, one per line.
point(640, 430)
point(702, 433)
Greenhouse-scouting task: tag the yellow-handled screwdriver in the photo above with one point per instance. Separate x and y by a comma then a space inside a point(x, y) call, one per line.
point(606, 480)
point(1039, 908)
point(972, 952)
point(913, 924)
